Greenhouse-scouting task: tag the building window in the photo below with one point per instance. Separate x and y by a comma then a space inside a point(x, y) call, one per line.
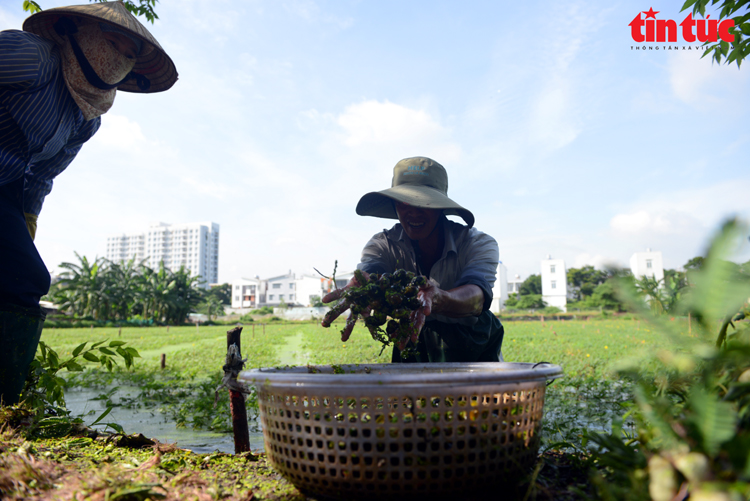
point(281, 297)
point(270, 297)
point(277, 286)
point(291, 297)
point(552, 268)
point(291, 286)
point(554, 284)
point(236, 298)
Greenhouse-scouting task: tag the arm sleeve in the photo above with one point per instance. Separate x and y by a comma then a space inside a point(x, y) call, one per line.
point(376, 256)
point(25, 60)
point(37, 185)
point(482, 256)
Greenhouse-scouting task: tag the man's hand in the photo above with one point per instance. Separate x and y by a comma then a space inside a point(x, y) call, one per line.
point(342, 306)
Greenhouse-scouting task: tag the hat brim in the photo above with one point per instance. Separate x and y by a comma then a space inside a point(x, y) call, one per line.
point(380, 203)
point(153, 62)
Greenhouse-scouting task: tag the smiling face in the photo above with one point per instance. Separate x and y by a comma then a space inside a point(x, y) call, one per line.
point(419, 224)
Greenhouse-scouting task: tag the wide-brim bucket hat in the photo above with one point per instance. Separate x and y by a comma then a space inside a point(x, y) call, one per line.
point(417, 181)
point(152, 62)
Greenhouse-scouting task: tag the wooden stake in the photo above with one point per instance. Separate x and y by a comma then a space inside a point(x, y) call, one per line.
point(237, 402)
point(167, 328)
point(690, 324)
point(119, 333)
point(163, 360)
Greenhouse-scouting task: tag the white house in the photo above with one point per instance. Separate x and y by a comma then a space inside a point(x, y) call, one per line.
point(514, 285)
point(554, 283)
point(500, 289)
point(647, 264)
point(246, 293)
point(281, 288)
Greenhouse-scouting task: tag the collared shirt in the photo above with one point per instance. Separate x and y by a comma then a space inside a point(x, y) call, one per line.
point(469, 257)
point(41, 127)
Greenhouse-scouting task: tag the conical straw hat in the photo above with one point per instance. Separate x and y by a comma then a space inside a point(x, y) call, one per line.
point(152, 62)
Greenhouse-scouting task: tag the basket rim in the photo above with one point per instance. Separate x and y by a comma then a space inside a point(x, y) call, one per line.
point(376, 375)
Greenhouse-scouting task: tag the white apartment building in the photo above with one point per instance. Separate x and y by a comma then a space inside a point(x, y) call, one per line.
point(192, 245)
point(647, 264)
point(500, 289)
point(554, 283)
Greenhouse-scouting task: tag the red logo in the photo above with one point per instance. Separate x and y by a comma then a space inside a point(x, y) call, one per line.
point(665, 30)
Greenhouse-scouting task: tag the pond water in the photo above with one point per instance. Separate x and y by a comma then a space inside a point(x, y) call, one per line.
point(151, 423)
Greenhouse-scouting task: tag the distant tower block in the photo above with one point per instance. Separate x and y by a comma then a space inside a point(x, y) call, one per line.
point(500, 289)
point(647, 264)
point(554, 283)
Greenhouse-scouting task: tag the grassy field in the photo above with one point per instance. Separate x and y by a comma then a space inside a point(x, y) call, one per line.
point(584, 348)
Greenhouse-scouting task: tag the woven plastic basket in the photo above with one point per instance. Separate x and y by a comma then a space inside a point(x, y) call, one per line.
point(364, 431)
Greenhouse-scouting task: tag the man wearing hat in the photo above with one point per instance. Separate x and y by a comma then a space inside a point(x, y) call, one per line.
point(57, 77)
point(459, 260)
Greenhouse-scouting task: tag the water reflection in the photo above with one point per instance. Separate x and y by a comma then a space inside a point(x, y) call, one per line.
point(151, 423)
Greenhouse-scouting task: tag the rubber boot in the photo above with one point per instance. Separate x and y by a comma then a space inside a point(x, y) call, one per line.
point(20, 330)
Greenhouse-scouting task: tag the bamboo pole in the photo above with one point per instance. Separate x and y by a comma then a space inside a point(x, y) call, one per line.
point(237, 399)
point(163, 360)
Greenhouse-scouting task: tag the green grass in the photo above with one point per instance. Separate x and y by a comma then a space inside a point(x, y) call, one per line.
point(588, 396)
point(583, 348)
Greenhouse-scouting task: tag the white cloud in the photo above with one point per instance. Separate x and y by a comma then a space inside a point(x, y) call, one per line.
point(393, 127)
point(643, 221)
point(119, 132)
point(552, 121)
point(700, 82)
point(683, 212)
point(597, 261)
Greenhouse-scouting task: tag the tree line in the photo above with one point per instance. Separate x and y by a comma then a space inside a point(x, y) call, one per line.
point(105, 290)
point(589, 288)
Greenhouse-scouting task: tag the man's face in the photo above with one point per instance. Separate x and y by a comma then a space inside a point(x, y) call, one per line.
point(418, 223)
point(123, 44)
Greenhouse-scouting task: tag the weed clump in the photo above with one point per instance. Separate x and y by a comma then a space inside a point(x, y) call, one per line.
point(388, 300)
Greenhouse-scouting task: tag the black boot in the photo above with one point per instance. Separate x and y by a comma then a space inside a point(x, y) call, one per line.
point(20, 330)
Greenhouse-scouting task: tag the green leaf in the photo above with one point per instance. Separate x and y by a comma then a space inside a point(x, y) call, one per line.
point(102, 416)
point(106, 350)
point(687, 4)
point(116, 427)
point(713, 418)
point(115, 344)
point(79, 349)
point(90, 357)
point(52, 359)
point(73, 366)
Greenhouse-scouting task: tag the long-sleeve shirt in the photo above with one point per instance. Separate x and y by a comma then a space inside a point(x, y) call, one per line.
point(41, 127)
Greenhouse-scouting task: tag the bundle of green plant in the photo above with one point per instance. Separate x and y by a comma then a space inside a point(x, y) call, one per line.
point(388, 300)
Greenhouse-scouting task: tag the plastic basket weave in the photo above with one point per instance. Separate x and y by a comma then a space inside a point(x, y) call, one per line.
point(364, 431)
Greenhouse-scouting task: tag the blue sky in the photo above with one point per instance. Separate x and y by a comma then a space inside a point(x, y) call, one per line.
point(556, 134)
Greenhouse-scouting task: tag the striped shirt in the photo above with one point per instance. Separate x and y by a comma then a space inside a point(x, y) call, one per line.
point(41, 127)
